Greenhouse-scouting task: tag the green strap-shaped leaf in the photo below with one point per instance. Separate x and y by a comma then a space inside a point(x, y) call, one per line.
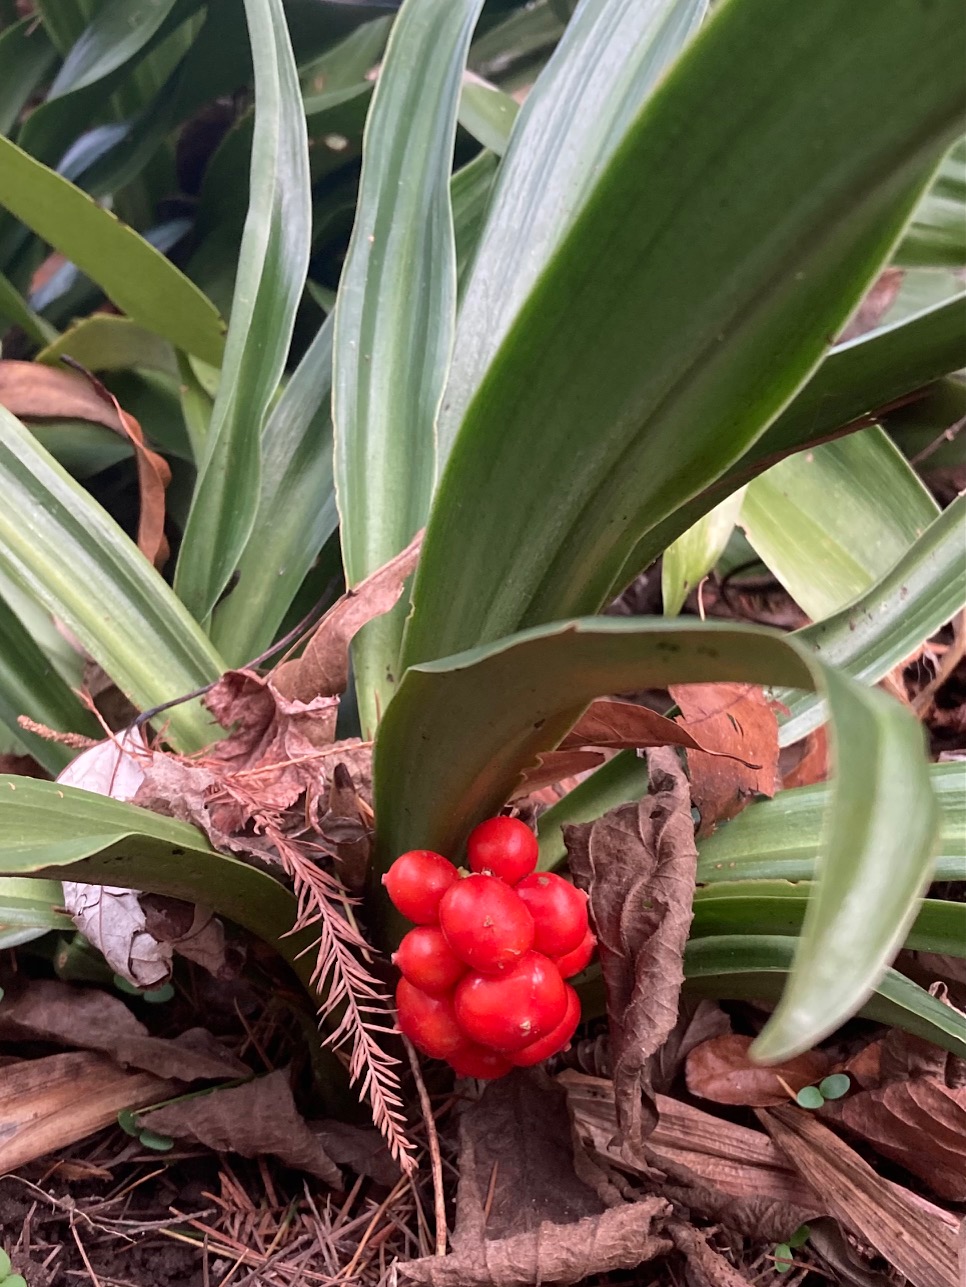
point(25, 56)
point(777, 907)
point(395, 314)
point(120, 29)
point(853, 380)
point(29, 685)
point(30, 908)
point(15, 310)
point(271, 274)
point(692, 556)
point(936, 238)
point(610, 57)
point(75, 559)
point(597, 420)
point(135, 276)
point(296, 512)
point(924, 590)
point(459, 732)
point(831, 521)
point(780, 839)
point(754, 967)
point(106, 342)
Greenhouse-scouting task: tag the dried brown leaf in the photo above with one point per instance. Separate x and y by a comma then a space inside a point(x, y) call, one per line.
point(721, 1070)
point(708, 1268)
point(618, 725)
point(736, 720)
point(638, 863)
point(194, 932)
point(48, 1010)
point(809, 764)
point(256, 1118)
point(918, 1239)
point(48, 1104)
point(698, 1020)
point(523, 1216)
point(555, 766)
point(345, 830)
point(32, 390)
point(323, 668)
point(361, 1148)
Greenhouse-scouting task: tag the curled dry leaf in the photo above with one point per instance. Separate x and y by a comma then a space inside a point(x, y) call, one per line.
point(918, 1239)
point(255, 1118)
point(721, 1070)
point(554, 766)
point(618, 725)
point(48, 1010)
point(346, 830)
point(638, 864)
point(698, 1020)
point(707, 1267)
point(806, 762)
point(734, 719)
point(323, 668)
point(523, 1215)
point(34, 391)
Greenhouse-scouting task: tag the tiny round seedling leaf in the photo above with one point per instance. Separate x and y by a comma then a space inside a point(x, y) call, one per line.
point(800, 1236)
point(15, 1280)
point(835, 1086)
point(160, 1143)
point(126, 986)
point(4, 1265)
point(158, 996)
point(784, 1260)
point(127, 1123)
point(810, 1097)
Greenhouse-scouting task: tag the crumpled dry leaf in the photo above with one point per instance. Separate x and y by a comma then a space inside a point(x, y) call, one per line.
point(346, 830)
point(806, 762)
point(736, 719)
point(32, 390)
point(918, 1239)
point(361, 1148)
point(323, 668)
point(638, 864)
point(113, 918)
point(914, 1112)
point(522, 1214)
point(698, 1020)
point(47, 1104)
point(721, 1070)
point(554, 766)
point(707, 1267)
point(617, 725)
point(255, 1118)
point(48, 1010)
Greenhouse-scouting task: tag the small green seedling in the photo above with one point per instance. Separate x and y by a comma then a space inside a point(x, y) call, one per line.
point(154, 996)
point(150, 1139)
point(784, 1251)
point(7, 1279)
point(832, 1087)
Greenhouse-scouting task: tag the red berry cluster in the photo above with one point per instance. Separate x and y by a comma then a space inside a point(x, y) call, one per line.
point(483, 972)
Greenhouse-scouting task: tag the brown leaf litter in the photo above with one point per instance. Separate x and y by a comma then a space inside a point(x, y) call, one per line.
point(721, 1070)
point(638, 865)
point(737, 720)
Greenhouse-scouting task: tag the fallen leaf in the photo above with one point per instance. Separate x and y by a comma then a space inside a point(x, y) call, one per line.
point(918, 1239)
point(554, 766)
point(698, 1020)
point(736, 720)
point(345, 830)
point(361, 1148)
point(323, 668)
point(810, 765)
point(48, 1104)
point(49, 1010)
point(255, 1118)
point(620, 725)
point(707, 1267)
point(32, 390)
point(523, 1215)
point(638, 864)
point(193, 931)
point(721, 1070)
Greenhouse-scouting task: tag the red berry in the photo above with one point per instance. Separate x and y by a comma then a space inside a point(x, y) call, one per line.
point(428, 1022)
point(485, 923)
point(575, 962)
point(504, 846)
point(510, 1011)
point(559, 912)
point(426, 960)
point(554, 1041)
point(416, 882)
point(479, 1061)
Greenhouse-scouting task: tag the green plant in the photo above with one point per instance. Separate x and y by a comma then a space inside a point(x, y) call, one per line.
point(558, 360)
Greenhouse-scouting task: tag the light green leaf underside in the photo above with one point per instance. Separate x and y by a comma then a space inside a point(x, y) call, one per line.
point(936, 238)
point(692, 556)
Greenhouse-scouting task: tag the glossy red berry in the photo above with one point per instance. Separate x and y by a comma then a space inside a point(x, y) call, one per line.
point(504, 846)
point(427, 961)
point(485, 923)
point(417, 881)
point(472, 1060)
point(559, 912)
point(509, 1011)
point(537, 1051)
point(575, 962)
point(428, 1022)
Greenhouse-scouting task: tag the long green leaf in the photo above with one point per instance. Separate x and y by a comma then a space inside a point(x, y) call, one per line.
point(75, 559)
point(692, 556)
point(395, 314)
point(777, 907)
point(271, 275)
point(14, 309)
point(608, 61)
point(26, 55)
point(831, 521)
point(936, 238)
point(780, 839)
point(29, 909)
point(29, 685)
point(120, 29)
point(746, 967)
point(865, 374)
point(460, 731)
point(296, 512)
point(598, 419)
point(925, 589)
point(135, 276)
